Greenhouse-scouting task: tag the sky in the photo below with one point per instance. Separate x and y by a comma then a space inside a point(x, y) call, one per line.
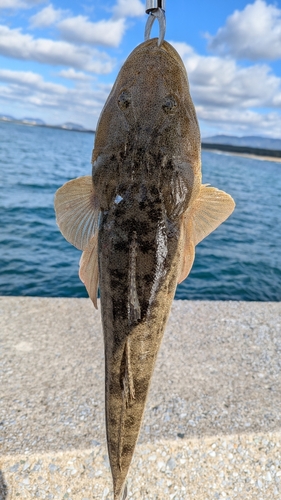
point(59, 59)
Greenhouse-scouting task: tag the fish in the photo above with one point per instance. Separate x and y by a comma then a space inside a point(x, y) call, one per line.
point(138, 219)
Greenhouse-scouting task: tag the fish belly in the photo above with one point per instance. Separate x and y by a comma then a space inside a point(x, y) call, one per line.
point(138, 264)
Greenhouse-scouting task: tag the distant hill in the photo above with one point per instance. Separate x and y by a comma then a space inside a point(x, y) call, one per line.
point(7, 118)
point(246, 141)
point(72, 126)
point(32, 121)
point(37, 122)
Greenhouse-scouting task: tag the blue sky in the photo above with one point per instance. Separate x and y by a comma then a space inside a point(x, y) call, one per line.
point(58, 60)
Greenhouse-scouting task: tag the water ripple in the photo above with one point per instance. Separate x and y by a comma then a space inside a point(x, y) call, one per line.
point(239, 261)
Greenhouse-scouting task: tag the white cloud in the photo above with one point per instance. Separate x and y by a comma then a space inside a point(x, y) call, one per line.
point(230, 96)
point(80, 105)
point(19, 46)
point(218, 81)
point(71, 74)
point(133, 8)
point(241, 123)
point(9, 4)
point(46, 17)
point(28, 78)
point(253, 33)
point(105, 32)
point(18, 4)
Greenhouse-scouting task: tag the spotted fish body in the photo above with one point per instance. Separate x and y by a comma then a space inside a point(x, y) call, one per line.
point(137, 221)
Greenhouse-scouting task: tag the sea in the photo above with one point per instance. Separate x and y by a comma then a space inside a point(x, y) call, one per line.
point(241, 260)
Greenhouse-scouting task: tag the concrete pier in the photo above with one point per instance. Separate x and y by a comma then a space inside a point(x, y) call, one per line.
point(212, 427)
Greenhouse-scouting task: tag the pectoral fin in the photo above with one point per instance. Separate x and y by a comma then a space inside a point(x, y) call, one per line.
point(209, 210)
point(89, 269)
point(77, 211)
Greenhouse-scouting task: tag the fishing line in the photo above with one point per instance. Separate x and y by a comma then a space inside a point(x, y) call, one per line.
point(155, 10)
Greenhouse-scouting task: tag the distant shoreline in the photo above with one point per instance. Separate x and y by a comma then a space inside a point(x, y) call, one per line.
point(44, 125)
point(245, 151)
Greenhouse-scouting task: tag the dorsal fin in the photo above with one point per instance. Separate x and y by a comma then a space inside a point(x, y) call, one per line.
point(77, 211)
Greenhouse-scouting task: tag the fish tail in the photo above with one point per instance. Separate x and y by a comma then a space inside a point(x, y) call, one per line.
point(132, 335)
point(123, 495)
point(125, 492)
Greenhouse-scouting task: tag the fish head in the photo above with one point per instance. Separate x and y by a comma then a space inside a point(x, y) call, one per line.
point(150, 110)
point(149, 98)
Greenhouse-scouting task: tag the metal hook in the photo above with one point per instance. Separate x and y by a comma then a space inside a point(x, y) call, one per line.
point(155, 4)
point(155, 9)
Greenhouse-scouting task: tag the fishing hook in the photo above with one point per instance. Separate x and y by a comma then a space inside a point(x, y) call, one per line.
point(155, 9)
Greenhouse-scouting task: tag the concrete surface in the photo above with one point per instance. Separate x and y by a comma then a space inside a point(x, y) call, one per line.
point(212, 427)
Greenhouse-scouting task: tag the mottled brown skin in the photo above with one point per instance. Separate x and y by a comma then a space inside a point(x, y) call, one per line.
point(147, 152)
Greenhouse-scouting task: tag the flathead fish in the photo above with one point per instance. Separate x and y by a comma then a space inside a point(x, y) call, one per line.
point(138, 219)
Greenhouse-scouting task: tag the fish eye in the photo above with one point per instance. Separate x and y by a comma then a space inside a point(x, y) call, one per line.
point(124, 100)
point(170, 104)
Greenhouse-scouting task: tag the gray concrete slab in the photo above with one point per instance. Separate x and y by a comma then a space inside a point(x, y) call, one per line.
point(217, 384)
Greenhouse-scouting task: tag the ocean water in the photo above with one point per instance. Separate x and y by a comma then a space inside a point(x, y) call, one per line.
point(241, 260)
